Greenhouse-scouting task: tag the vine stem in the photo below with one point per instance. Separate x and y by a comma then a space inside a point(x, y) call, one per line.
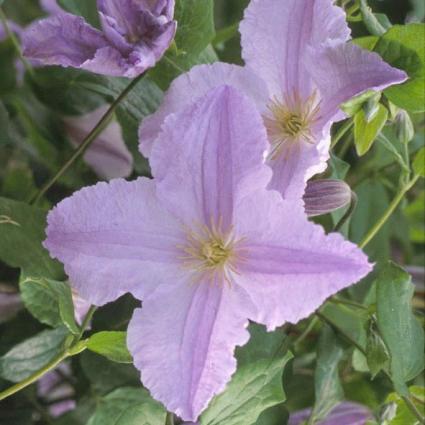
point(15, 42)
point(169, 420)
point(394, 204)
point(94, 133)
point(77, 346)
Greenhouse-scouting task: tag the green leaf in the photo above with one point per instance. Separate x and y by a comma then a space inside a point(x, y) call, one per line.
point(402, 47)
point(128, 406)
point(419, 163)
point(65, 90)
point(328, 389)
point(49, 301)
point(401, 332)
point(21, 235)
point(355, 104)
point(112, 345)
point(366, 131)
point(31, 355)
point(85, 8)
point(403, 415)
point(256, 385)
point(376, 352)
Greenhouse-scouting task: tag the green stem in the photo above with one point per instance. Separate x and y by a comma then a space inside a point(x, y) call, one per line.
point(77, 346)
point(34, 377)
point(393, 206)
point(15, 42)
point(346, 302)
point(306, 332)
point(97, 130)
point(413, 409)
point(174, 64)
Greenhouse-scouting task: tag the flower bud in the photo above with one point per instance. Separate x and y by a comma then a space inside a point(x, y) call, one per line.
point(325, 196)
point(404, 127)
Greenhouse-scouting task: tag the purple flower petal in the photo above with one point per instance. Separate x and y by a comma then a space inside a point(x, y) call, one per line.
point(288, 259)
point(222, 149)
point(81, 307)
point(189, 87)
point(113, 238)
point(347, 70)
point(183, 342)
point(346, 413)
point(275, 35)
point(107, 155)
point(325, 196)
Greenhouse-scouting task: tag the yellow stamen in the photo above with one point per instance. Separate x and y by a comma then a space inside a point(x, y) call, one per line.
point(291, 120)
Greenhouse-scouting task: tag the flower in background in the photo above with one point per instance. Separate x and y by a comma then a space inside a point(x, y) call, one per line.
point(346, 413)
point(51, 6)
point(300, 67)
point(206, 247)
point(55, 389)
point(108, 154)
point(134, 36)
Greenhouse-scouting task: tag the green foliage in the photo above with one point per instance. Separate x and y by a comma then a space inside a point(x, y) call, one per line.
point(22, 231)
point(327, 385)
point(49, 301)
point(419, 163)
point(112, 345)
point(31, 355)
point(256, 385)
point(366, 129)
point(398, 326)
point(85, 8)
point(128, 406)
point(400, 413)
point(403, 48)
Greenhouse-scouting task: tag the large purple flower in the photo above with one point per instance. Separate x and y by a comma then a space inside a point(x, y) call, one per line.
point(134, 36)
point(204, 245)
point(299, 68)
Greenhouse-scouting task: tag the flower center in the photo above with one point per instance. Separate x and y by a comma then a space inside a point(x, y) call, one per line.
point(212, 252)
point(291, 120)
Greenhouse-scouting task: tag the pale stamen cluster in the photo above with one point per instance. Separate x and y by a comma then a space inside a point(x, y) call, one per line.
point(212, 252)
point(291, 120)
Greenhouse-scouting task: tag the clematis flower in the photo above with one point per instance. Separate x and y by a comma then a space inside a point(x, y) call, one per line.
point(300, 67)
point(51, 6)
point(108, 154)
point(135, 34)
point(346, 413)
point(204, 245)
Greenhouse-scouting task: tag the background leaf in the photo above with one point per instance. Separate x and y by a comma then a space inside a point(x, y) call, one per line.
point(112, 345)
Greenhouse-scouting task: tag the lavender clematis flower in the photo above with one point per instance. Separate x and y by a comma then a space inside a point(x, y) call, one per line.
point(108, 155)
point(51, 6)
point(204, 245)
point(346, 413)
point(300, 67)
point(134, 36)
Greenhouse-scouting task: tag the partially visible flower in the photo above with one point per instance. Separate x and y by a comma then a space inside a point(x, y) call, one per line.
point(134, 36)
point(54, 389)
point(300, 67)
point(346, 413)
point(10, 304)
point(51, 6)
point(206, 248)
point(325, 196)
point(108, 154)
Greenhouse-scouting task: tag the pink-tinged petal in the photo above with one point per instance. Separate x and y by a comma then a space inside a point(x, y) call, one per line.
point(275, 35)
point(81, 307)
point(51, 6)
point(108, 154)
point(189, 87)
point(115, 238)
point(290, 266)
point(208, 154)
point(346, 413)
point(343, 71)
point(183, 342)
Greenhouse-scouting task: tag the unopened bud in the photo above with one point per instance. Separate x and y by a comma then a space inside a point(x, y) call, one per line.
point(404, 127)
point(325, 196)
